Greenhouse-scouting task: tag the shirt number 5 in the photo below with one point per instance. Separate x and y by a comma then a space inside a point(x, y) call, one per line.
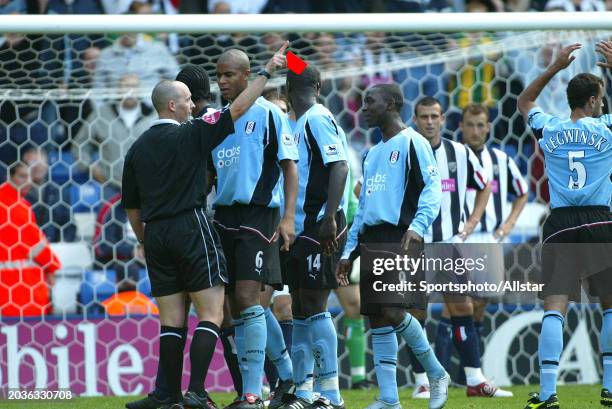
point(574, 165)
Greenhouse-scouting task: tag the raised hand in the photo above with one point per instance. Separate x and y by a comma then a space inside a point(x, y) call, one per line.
point(565, 57)
point(605, 49)
point(278, 60)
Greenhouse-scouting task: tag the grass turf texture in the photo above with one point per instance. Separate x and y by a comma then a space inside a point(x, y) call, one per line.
point(571, 397)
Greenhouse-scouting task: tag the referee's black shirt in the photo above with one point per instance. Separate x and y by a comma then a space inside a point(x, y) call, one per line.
point(165, 169)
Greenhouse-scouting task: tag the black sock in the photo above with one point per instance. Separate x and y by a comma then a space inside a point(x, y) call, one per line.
point(287, 328)
point(171, 344)
point(231, 358)
point(161, 386)
point(202, 349)
point(271, 373)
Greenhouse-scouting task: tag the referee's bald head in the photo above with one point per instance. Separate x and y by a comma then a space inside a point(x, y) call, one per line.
point(235, 58)
point(172, 99)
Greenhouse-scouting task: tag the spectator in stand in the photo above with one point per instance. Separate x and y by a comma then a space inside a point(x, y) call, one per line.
point(575, 5)
point(109, 132)
point(237, 6)
point(21, 120)
point(134, 53)
point(27, 263)
point(50, 203)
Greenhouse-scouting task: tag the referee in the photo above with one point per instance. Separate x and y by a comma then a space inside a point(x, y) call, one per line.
point(164, 188)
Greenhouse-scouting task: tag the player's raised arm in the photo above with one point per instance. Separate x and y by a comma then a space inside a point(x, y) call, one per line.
point(527, 98)
point(246, 98)
point(605, 49)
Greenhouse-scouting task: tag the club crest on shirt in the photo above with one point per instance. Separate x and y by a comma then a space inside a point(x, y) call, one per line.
point(452, 166)
point(250, 126)
point(496, 170)
point(394, 157)
point(331, 150)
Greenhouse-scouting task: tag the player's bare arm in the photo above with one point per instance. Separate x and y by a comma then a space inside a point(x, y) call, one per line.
point(527, 98)
point(480, 204)
point(337, 180)
point(246, 98)
point(517, 207)
point(286, 227)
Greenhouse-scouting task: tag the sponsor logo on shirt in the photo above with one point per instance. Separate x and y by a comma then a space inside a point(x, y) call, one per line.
point(250, 126)
point(449, 185)
point(494, 186)
point(287, 139)
point(331, 150)
point(376, 183)
point(228, 157)
point(394, 157)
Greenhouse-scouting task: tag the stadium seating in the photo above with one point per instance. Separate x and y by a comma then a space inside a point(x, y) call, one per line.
point(96, 287)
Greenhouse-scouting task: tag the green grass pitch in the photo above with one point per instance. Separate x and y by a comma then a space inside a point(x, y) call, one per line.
point(571, 397)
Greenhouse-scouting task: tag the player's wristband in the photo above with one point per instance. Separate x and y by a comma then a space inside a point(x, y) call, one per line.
point(264, 73)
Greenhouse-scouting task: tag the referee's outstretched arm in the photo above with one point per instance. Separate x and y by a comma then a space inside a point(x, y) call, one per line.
point(246, 98)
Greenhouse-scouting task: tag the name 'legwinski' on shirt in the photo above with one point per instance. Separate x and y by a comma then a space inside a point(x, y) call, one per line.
point(578, 158)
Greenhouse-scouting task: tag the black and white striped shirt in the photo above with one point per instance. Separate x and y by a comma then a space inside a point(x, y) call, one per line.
point(459, 170)
point(505, 178)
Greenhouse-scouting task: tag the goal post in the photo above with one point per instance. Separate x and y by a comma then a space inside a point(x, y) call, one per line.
point(279, 23)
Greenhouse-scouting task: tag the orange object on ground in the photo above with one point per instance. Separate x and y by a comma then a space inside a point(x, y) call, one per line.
point(129, 302)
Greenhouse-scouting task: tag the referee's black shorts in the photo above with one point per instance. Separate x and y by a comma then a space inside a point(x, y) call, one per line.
point(248, 236)
point(305, 265)
point(577, 249)
point(384, 234)
point(183, 253)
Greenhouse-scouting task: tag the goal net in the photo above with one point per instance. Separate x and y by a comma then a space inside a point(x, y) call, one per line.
point(71, 105)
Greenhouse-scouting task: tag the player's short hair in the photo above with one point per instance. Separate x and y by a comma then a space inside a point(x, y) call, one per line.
point(581, 88)
point(196, 79)
point(236, 58)
point(309, 79)
point(392, 92)
point(427, 102)
point(475, 109)
point(164, 91)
